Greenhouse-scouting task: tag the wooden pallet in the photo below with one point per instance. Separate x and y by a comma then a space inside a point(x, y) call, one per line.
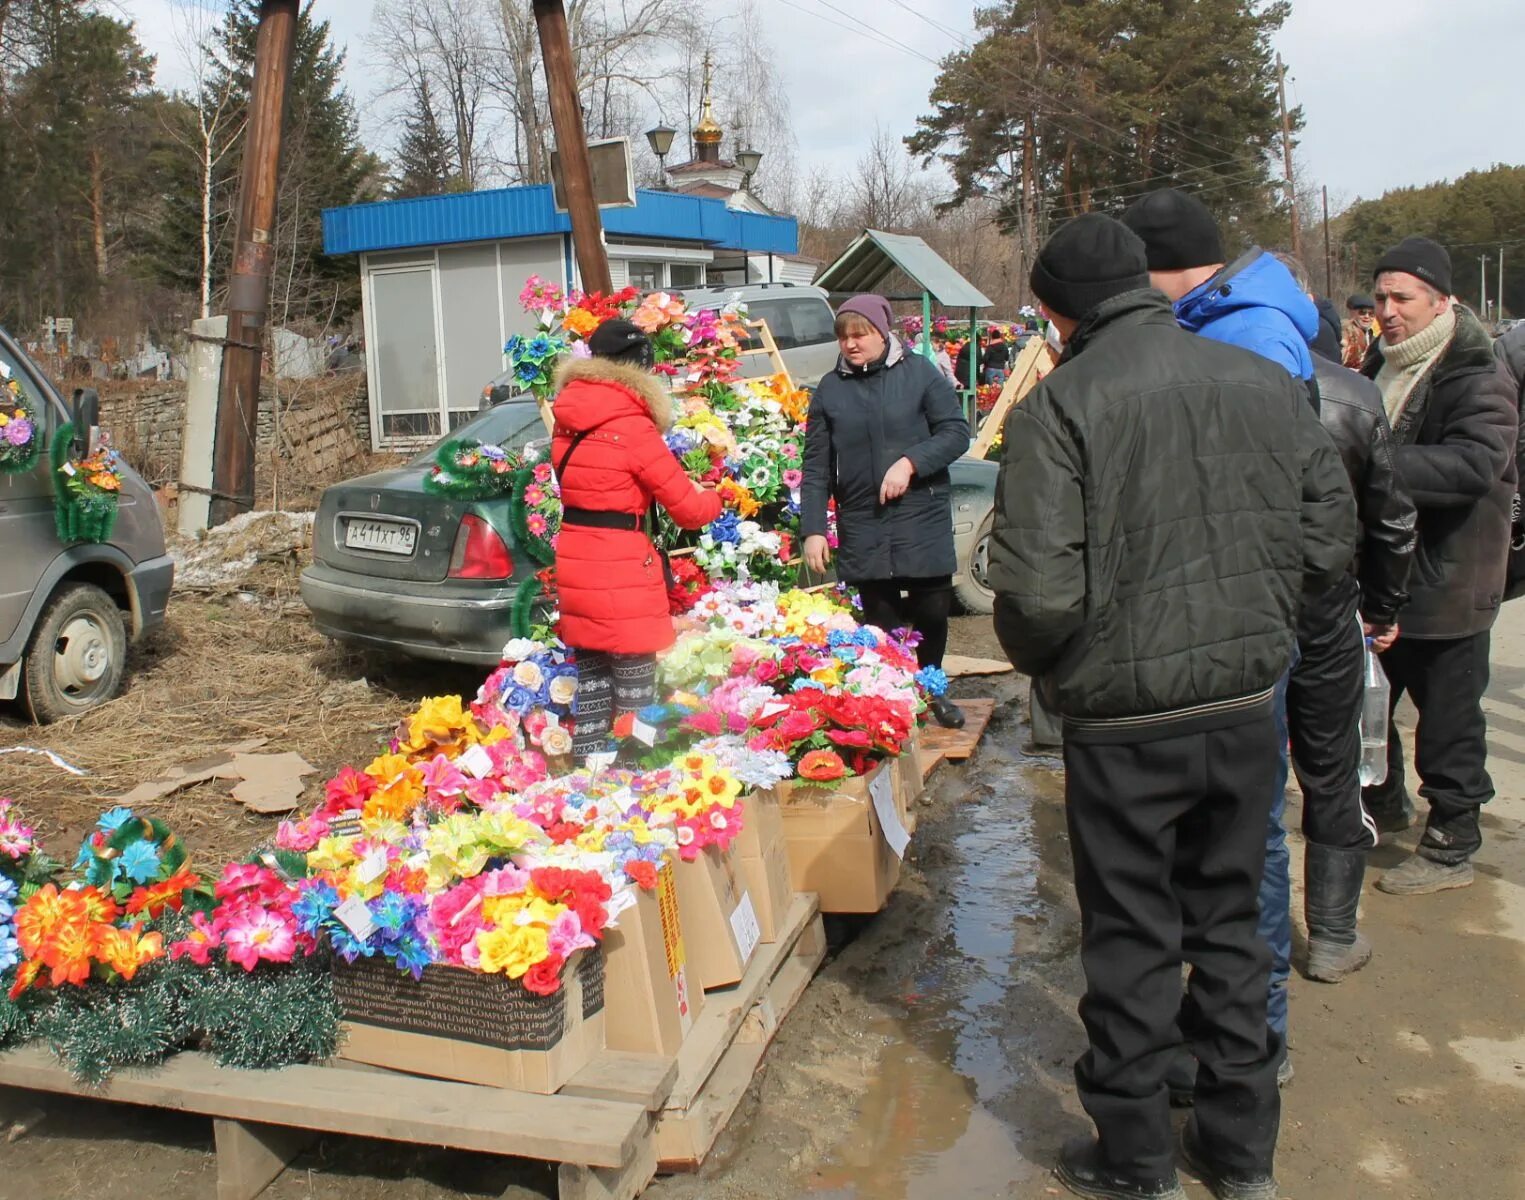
point(719, 1057)
point(603, 1129)
point(955, 745)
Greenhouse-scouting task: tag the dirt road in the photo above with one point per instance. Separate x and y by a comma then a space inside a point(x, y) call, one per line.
point(931, 1056)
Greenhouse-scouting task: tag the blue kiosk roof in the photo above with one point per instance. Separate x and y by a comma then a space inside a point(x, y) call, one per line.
point(520, 212)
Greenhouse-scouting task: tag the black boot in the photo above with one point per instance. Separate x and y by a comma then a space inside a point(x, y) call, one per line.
point(1223, 1182)
point(1332, 879)
point(946, 713)
point(1081, 1169)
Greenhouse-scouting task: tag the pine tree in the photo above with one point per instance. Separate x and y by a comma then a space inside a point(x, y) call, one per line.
point(424, 164)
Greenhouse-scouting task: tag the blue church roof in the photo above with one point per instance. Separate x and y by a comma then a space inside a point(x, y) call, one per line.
point(529, 212)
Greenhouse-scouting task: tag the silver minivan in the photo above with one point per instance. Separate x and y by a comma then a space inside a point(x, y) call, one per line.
point(67, 612)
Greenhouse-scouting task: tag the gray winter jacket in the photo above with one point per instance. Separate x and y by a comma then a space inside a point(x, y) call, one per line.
point(1163, 503)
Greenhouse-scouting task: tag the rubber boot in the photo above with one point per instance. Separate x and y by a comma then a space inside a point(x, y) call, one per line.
point(1332, 880)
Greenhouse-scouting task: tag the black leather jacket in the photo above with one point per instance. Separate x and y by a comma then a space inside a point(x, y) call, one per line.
point(1351, 410)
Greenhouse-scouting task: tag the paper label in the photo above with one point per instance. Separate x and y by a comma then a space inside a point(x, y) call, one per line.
point(744, 926)
point(685, 1010)
point(643, 732)
point(356, 917)
point(882, 792)
point(68, 469)
point(346, 824)
point(672, 930)
point(476, 762)
point(771, 709)
point(372, 867)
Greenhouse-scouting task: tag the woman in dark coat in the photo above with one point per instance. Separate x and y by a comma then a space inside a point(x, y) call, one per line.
point(883, 429)
point(612, 464)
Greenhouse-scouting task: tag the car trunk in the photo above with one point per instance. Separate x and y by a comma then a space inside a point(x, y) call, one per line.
point(387, 525)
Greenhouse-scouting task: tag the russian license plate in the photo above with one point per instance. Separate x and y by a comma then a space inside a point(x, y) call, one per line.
point(384, 537)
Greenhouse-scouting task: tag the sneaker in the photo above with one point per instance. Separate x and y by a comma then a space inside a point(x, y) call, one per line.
point(1223, 1182)
point(946, 713)
point(1081, 1170)
point(1419, 876)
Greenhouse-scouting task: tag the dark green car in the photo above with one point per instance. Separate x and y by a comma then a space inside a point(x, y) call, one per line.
point(399, 568)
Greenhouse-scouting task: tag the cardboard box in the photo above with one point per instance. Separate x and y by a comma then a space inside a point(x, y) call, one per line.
point(763, 861)
point(836, 840)
point(908, 780)
point(719, 918)
point(454, 1023)
point(649, 1003)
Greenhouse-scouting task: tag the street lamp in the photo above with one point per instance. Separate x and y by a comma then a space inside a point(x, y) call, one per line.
point(660, 140)
point(748, 161)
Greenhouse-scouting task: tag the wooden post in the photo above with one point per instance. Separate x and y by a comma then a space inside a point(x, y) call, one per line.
point(572, 141)
point(1286, 157)
point(253, 260)
point(1035, 361)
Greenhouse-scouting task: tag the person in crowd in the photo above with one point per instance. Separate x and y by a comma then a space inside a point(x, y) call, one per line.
point(613, 466)
point(882, 430)
point(940, 356)
point(1455, 426)
point(961, 363)
point(997, 358)
point(1326, 343)
point(1253, 302)
point(1325, 690)
point(1162, 497)
point(1358, 329)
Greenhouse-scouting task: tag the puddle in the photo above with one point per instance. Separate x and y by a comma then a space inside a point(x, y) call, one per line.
point(926, 1129)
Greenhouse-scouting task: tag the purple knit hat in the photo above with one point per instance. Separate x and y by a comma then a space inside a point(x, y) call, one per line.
point(873, 309)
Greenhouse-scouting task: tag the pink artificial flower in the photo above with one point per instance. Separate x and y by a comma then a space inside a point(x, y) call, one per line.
point(566, 936)
point(536, 524)
point(543, 472)
point(793, 478)
point(457, 917)
point(505, 881)
point(707, 722)
point(442, 778)
point(304, 835)
point(258, 934)
point(199, 946)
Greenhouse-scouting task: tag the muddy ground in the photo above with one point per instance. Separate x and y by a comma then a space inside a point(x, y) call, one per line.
point(930, 1058)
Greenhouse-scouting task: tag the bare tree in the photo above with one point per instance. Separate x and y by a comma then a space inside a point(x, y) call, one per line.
point(886, 191)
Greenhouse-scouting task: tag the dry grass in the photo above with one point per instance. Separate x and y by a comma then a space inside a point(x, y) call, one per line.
point(239, 663)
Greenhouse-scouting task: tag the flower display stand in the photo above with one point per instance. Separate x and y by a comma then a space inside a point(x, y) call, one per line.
point(619, 1120)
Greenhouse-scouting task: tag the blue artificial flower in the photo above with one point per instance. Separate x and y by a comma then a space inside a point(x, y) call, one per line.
point(518, 698)
point(314, 906)
point(933, 680)
point(514, 346)
point(8, 888)
point(114, 820)
point(725, 528)
point(864, 636)
point(411, 954)
point(10, 952)
point(680, 442)
point(495, 453)
point(139, 862)
point(390, 912)
point(527, 372)
point(540, 347)
point(838, 637)
point(847, 654)
point(346, 945)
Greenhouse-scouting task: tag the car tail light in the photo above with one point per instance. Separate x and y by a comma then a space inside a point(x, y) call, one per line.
point(479, 552)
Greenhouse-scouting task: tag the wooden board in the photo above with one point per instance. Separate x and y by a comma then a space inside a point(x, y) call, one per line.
point(955, 745)
point(719, 1058)
point(1035, 361)
point(644, 1079)
point(956, 666)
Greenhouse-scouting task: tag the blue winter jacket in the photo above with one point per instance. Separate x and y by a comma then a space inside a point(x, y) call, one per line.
point(1254, 302)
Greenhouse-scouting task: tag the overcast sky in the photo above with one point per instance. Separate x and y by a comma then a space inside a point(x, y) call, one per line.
point(1451, 70)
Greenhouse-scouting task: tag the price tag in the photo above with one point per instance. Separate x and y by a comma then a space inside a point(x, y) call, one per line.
point(356, 917)
point(346, 824)
point(881, 791)
point(68, 469)
point(771, 709)
point(744, 926)
point(552, 721)
point(643, 732)
point(476, 762)
point(372, 867)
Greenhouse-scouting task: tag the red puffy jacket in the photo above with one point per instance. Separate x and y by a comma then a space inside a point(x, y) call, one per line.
point(612, 591)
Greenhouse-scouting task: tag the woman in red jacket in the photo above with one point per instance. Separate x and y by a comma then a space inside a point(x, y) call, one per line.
point(614, 467)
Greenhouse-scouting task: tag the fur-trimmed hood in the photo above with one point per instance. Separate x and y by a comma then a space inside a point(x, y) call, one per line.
point(641, 386)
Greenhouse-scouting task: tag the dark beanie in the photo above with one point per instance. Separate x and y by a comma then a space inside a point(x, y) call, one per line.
point(1359, 300)
point(621, 341)
point(1421, 258)
point(1178, 230)
point(1088, 260)
point(873, 309)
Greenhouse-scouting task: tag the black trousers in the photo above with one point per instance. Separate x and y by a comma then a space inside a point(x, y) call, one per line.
point(1324, 724)
point(921, 604)
point(1169, 838)
point(608, 684)
point(1446, 679)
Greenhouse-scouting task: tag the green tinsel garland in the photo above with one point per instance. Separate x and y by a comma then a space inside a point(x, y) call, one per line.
point(274, 1016)
point(78, 518)
point(480, 481)
point(526, 599)
point(539, 548)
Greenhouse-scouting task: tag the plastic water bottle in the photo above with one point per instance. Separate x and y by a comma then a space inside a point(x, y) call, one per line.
point(1374, 717)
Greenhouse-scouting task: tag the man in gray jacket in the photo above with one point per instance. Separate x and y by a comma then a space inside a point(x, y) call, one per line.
point(1163, 504)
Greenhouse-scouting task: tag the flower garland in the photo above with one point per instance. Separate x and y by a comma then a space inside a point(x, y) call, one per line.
point(535, 513)
point(465, 469)
point(20, 429)
point(85, 490)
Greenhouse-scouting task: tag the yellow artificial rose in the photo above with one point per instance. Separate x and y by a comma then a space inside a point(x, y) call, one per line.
point(512, 950)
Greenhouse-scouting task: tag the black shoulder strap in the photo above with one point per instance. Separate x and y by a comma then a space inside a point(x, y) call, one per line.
point(561, 467)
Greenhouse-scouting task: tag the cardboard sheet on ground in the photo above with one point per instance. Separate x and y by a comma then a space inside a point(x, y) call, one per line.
point(268, 783)
point(183, 775)
point(956, 665)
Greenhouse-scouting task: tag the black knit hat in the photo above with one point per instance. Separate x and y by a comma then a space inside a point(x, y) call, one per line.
point(1421, 258)
point(1087, 260)
point(1178, 230)
point(621, 341)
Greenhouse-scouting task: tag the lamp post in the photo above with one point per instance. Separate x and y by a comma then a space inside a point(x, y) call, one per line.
point(660, 140)
point(748, 161)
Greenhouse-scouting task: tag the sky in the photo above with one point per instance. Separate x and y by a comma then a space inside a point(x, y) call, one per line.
point(847, 64)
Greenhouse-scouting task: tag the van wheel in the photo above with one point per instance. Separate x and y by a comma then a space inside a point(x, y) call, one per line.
point(972, 588)
point(77, 654)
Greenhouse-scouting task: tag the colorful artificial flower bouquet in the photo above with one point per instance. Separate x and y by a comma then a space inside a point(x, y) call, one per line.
point(86, 489)
point(533, 361)
point(466, 469)
point(20, 429)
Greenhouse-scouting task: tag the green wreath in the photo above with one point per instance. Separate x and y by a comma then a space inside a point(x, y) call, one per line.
point(537, 545)
point(82, 510)
point(16, 409)
point(466, 469)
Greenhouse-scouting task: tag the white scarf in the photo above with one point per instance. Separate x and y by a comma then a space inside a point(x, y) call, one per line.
point(1404, 363)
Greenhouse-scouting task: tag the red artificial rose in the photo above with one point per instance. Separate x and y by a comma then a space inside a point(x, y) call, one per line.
point(544, 978)
point(642, 873)
point(849, 737)
point(562, 832)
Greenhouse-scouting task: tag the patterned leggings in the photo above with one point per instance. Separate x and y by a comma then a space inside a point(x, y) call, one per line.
point(607, 685)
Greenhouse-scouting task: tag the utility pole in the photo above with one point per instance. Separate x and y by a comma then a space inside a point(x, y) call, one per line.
point(1482, 286)
point(572, 141)
point(253, 259)
point(1501, 283)
point(1328, 261)
point(1286, 156)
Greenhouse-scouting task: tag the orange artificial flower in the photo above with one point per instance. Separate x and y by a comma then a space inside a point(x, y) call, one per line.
point(69, 954)
point(46, 911)
point(155, 898)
